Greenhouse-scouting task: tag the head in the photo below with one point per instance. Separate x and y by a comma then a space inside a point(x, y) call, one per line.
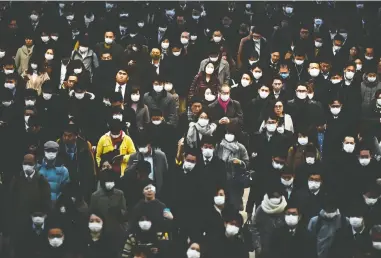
point(369, 53)
point(95, 223)
point(257, 72)
point(122, 76)
point(292, 216)
point(106, 56)
point(277, 84)
point(156, 116)
point(209, 68)
point(264, 91)
point(284, 71)
point(190, 160)
point(278, 108)
point(72, 80)
point(155, 54)
point(109, 37)
point(56, 236)
point(224, 92)
point(194, 251)
point(70, 135)
point(271, 123)
point(246, 79)
point(325, 67)
point(314, 69)
point(149, 192)
point(217, 36)
point(29, 41)
point(275, 56)
point(349, 144)
point(314, 181)
point(364, 156)
point(301, 91)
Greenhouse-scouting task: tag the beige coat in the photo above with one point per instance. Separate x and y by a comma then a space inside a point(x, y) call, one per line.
point(22, 58)
point(36, 81)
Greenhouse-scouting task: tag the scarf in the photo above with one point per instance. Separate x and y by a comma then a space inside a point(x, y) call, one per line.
point(223, 104)
point(228, 148)
point(195, 128)
point(270, 208)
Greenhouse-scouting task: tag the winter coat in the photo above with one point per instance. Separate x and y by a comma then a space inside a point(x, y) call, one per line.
point(35, 81)
point(90, 61)
point(368, 90)
point(22, 58)
point(165, 103)
point(223, 70)
point(126, 148)
point(199, 86)
point(57, 177)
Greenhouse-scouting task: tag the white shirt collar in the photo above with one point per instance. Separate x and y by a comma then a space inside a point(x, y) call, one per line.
point(218, 210)
point(354, 232)
point(205, 159)
point(316, 193)
point(31, 176)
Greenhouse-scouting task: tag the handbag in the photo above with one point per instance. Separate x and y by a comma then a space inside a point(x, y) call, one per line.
point(247, 231)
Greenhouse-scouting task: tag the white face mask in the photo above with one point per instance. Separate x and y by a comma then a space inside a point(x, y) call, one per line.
point(207, 153)
point(225, 98)
point(229, 137)
point(118, 116)
point(161, 29)
point(370, 201)
point(336, 48)
point(280, 129)
point(203, 122)
point(371, 79)
point(257, 75)
point(95, 227)
point(83, 49)
point(193, 253)
point(56, 242)
point(310, 160)
point(168, 86)
point(28, 169)
point(210, 97)
point(364, 162)
point(10, 86)
point(108, 40)
point(299, 62)
point(349, 75)
point(356, 222)
point(114, 136)
point(176, 53)
point(49, 56)
point(289, 10)
point(277, 165)
point(79, 95)
point(70, 17)
point(318, 44)
point(213, 59)
point(158, 88)
point(78, 70)
point(335, 111)
point(330, 215)
point(217, 39)
point(29, 102)
point(38, 220)
point(50, 155)
point(314, 72)
point(6, 103)
point(109, 185)
point(45, 38)
point(287, 182)
point(275, 201)
point(26, 119)
point(263, 94)
point(6, 71)
point(188, 166)
point(358, 67)
point(231, 230)
point(2, 54)
point(335, 81)
point(376, 245)
point(368, 57)
point(135, 97)
point(184, 41)
point(245, 82)
point(143, 150)
point(313, 185)
point(34, 17)
point(291, 220)
point(379, 102)
point(145, 225)
point(132, 35)
point(219, 200)
point(134, 48)
point(157, 122)
point(209, 70)
point(140, 24)
point(164, 45)
point(303, 140)
point(55, 38)
point(349, 148)
point(34, 66)
point(301, 95)
point(193, 38)
point(252, 62)
point(271, 127)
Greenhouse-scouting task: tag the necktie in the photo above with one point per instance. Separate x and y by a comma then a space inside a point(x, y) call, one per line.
point(29, 179)
point(207, 162)
point(257, 48)
point(120, 89)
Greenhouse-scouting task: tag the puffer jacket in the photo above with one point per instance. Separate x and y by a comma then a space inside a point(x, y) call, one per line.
point(368, 90)
point(165, 102)
point(56, 176)
point(90, 61)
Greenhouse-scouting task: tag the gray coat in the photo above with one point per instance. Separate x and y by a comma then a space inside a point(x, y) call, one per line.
point(142, 117)
point(90, 61)
point(22, 58)
point(160, 166)
point(102, 201)
point(263, 226)
point(240, 154)
point(165, 102)
point(368, 90)
point(223, 70)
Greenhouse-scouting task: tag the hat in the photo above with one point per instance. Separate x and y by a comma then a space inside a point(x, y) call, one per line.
point(71, 128)
point(47, 87)
point(51, 145)
point(30, 93)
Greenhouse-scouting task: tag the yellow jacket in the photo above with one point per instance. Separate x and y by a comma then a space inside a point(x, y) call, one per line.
point(126, 148)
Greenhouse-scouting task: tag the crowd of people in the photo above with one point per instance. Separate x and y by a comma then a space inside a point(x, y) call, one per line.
point(133, 128)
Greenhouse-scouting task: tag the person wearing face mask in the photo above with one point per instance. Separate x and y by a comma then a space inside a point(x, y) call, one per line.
point(229, 243)
point(160, 33)
point(269, 216)
point(197, 130)
point(287, 178)
point(292, 239)
point(258, 105)
point(86, 55)
point(118, 142)
point(305, 112)
point(158, 164)
point(194, 251)
point(157, 97)
point(28, 190)
point(76, 67)
point(236, 159)
point(327, 228)
point(110, 202)
point(35, 76)
point(221, 66)
point(104, 74)
point(315, 74)
point(285, 124)
point(143, 235)
point(57, 240)
point(366, 168)
point(376, 240)
point(369, 55)
point(195, 106)
point(299, 69)
point(24, 54)
point(253, 59)
point(336, 53)
point(371, 198)
point(204, 80)
point(244, 91)
point(56, 174)
point(369, 86)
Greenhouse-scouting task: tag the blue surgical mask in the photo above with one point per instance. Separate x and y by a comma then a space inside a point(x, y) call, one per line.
point(284, 75)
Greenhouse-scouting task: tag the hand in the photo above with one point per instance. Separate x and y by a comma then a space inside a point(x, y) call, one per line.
point(131, 62)
point(181, 142)
point(154, 250)
point(276, 27)
point(107, 102)
point(287, 55)
point(128, 124)
point(168, 215)
point(236, 161)
point(249, 216)
point(93, 148)
point(118, 158)
point(254, 154)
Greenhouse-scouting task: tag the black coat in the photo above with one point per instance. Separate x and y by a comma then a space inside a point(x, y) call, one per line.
point(31, 242)
point(284, 244)
point(309, 204)
point(223, 247)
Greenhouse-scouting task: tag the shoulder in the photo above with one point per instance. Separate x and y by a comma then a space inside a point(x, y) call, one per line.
point(118, 192)
point(159, 153)
point(291, 101)
point(213, 104)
